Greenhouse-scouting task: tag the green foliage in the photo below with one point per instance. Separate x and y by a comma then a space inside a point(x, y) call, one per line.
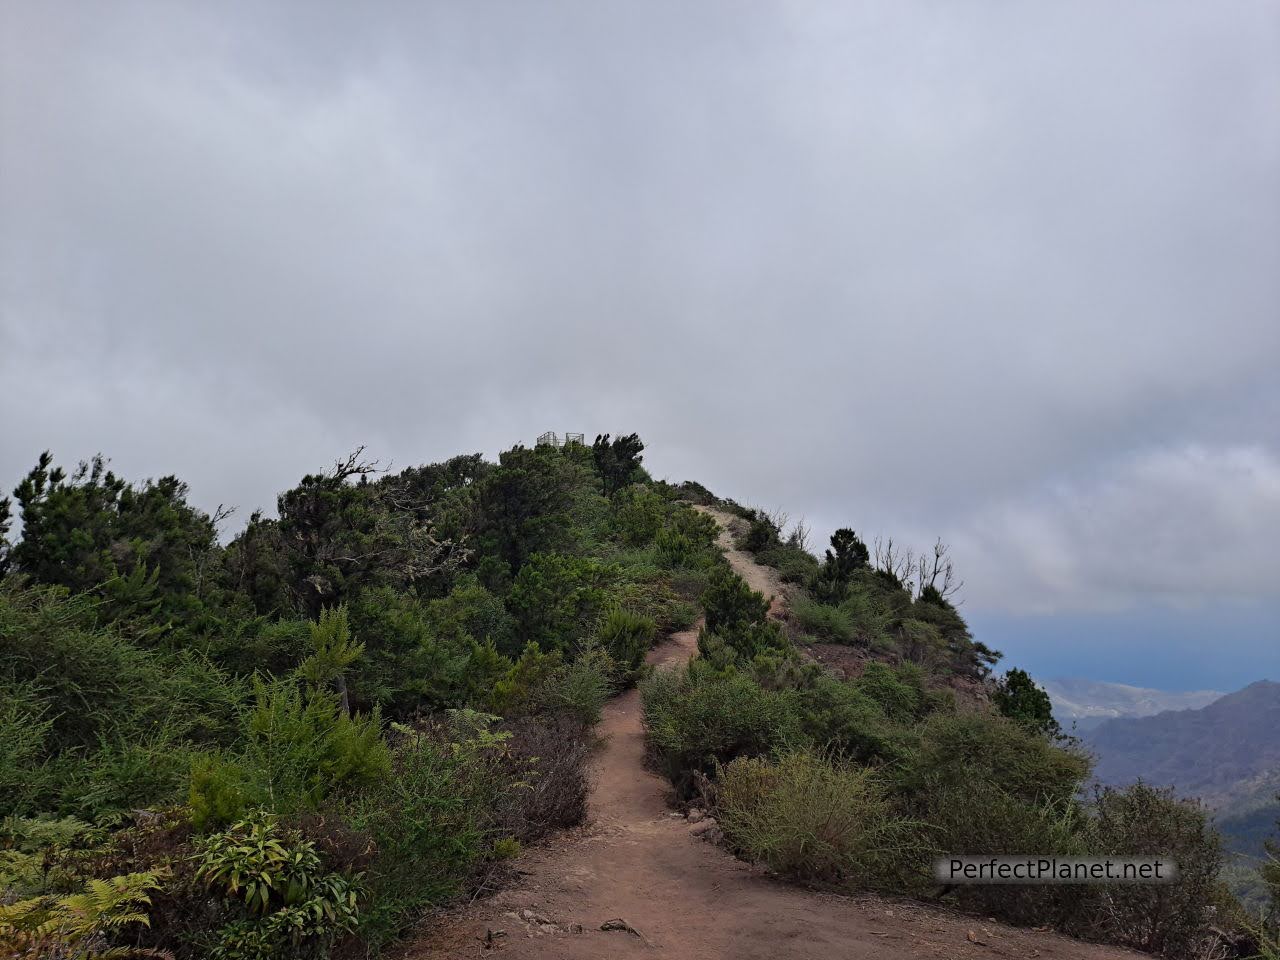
point(1018, 697)
point(638, 515)
point(524, 505)
point(296, 751)
point(81, 530)
point(816, 819)
point(731, 604)
point(80, 925)
point(581, 687)
point(617, 462)
point(556, 599)
point(825, 622)
point(286, 900)
point(6, 547)
point(1165, 919)
point(429, 823)
point(700, 717)
point(626, 637)
point(332, 651)
point(899, 691)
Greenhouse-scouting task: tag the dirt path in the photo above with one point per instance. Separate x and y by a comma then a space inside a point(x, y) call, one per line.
point(685, 898)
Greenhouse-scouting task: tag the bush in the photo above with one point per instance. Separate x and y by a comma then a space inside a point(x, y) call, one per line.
point(987, 785)
point(793, 563)
point(556, 599)
point(626, 637)
point(638, 515)
point(814, 819)
point(824, 622)
point(545, 768)
point(1168, 919)
point(296, 752)
point(899, 690)
point(284, 900)
point(581, 687)
point(429, 821)
point(699, 717)
point(730, 603)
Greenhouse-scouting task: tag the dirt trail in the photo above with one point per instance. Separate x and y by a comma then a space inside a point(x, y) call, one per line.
point(685, 898)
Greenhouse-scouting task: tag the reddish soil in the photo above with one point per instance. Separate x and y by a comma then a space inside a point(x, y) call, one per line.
point(675, 895)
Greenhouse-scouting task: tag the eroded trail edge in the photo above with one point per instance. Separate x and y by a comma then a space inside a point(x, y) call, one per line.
point(642, 871)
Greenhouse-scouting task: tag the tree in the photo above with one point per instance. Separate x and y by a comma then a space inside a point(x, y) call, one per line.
point(6, 518)
point(617, 462)
point(847, 553)
point(340, 533)
point(524, 503)
point(82, 530)
point(1017, 697)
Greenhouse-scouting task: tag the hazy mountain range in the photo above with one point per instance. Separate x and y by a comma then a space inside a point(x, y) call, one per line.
point(1226, 753)
point(1083, 704)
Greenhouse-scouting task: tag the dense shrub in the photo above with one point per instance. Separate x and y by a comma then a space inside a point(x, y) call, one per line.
point(700, 717)
point(627, 637)
point(285, 900)
point(814, 818)
point(1168, 919)
point(1018, 697)
point(730, 603)
point(429, 821)
point(556, 599)
point(297, 749)
point(824, 622)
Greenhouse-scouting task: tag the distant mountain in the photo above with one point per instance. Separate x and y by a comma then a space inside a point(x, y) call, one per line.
point(1227, 754)
point(1083, 704)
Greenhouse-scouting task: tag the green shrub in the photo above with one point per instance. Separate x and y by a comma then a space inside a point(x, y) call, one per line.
point(1168, 919)
point(986, 785)
point(745, 640)
point(1018, 697)
point(429, 821)
point(520, 691)
point(556, 600)
point(899, 690)
point(730, 603)
point(581, 687)
point(638, 515)
point(828, 623)
point(842, 717)
point(297, 750)
point(793, 563)
point(285, 901)
point(699, 717)
point(29, 782)
point(815, 819)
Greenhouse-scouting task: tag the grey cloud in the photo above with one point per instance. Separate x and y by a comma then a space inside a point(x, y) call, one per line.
point(913, 267)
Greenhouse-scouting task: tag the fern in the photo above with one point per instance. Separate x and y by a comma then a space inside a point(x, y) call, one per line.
point(80, 925)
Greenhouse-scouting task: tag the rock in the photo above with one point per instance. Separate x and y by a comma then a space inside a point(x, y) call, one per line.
point(696, 815)
point(709, 832)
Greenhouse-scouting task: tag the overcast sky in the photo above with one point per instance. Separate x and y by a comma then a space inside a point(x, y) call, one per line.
point(1004, 273)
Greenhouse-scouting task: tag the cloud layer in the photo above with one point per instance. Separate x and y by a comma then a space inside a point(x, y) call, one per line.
point(1006, 274)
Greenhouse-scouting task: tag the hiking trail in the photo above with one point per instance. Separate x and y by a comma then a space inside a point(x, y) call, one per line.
point(674, 895)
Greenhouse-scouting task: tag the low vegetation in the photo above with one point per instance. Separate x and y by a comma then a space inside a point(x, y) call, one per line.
point(860, 782)
point(299, 742)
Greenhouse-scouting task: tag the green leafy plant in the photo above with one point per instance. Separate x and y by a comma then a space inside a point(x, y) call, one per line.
point(287, 899)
